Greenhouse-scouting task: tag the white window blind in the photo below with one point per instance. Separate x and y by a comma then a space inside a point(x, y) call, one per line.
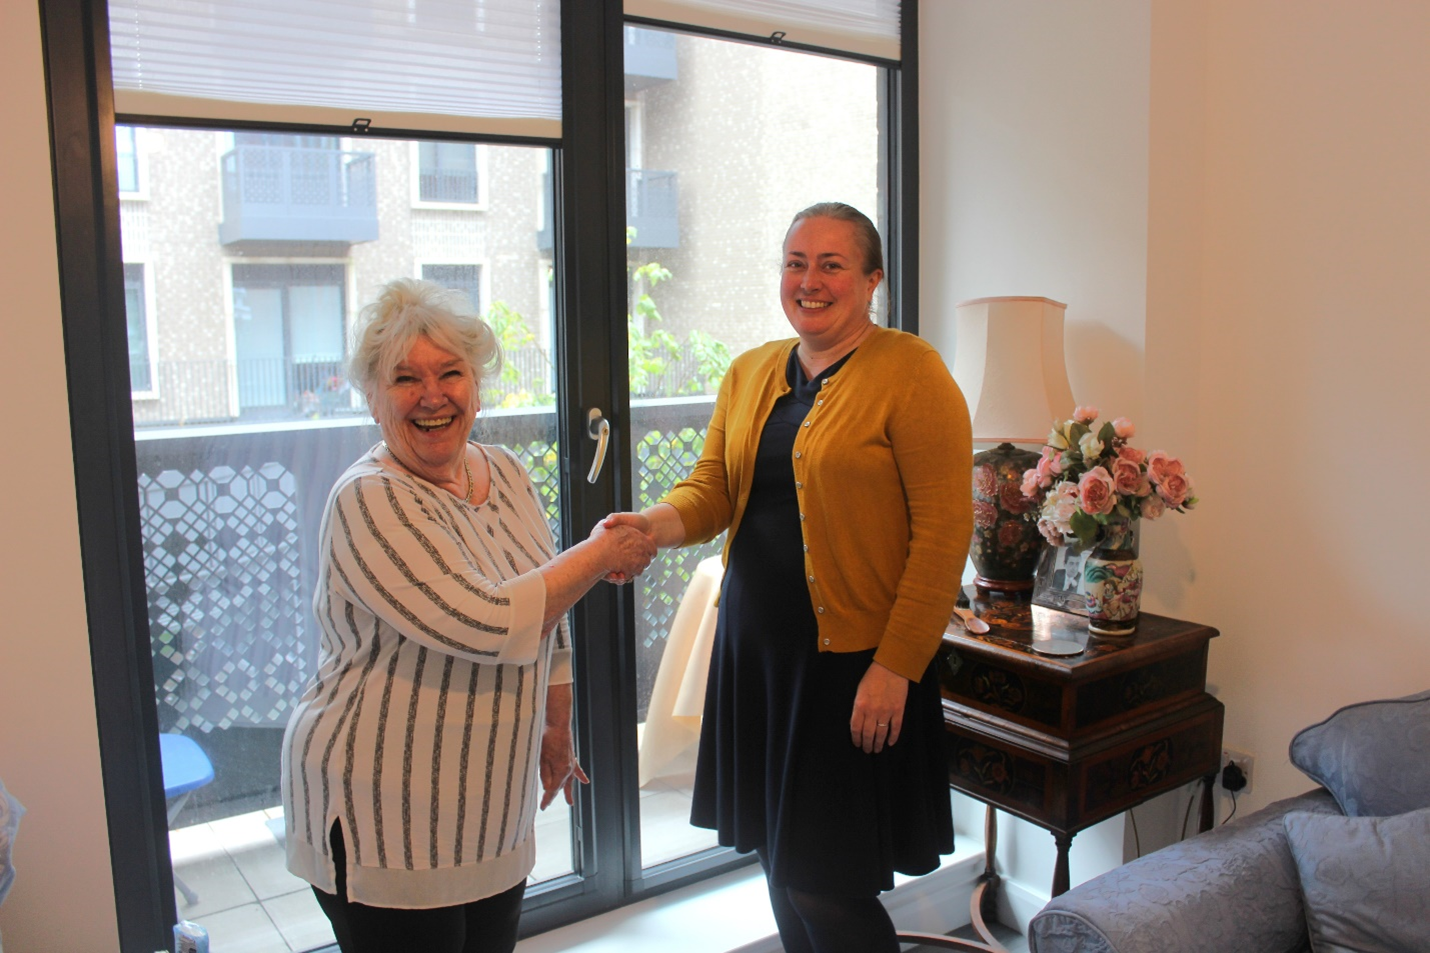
point(866, 27)
point(484, 66)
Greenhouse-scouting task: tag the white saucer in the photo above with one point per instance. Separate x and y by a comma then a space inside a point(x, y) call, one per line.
point(1057, 647)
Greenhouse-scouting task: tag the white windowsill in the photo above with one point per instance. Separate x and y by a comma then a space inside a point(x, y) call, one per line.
point(731, 913)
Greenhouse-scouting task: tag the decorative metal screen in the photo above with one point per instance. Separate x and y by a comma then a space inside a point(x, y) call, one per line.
point(226, 607)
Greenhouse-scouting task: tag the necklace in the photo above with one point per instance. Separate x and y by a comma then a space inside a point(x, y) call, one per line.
point(466, 468)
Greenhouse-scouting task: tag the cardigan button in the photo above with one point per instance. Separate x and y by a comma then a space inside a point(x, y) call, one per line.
point(801, 516)
point(826, 641)
point(797, 454)
point(811, 579)
point(798, 485)
point(820, 402)
point(806, 423)
point(806, 549)
point(820, 610)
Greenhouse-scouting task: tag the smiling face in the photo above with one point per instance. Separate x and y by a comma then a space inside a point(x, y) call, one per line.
point(425, 409)
point(824, 288)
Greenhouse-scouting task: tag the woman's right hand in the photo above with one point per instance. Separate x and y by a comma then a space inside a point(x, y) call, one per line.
point(636, 521)
point(626, 549)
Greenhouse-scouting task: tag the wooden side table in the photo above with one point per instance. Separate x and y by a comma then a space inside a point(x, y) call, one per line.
point(1067, 741)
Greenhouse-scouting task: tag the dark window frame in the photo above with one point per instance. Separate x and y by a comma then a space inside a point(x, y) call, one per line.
point(589, 220)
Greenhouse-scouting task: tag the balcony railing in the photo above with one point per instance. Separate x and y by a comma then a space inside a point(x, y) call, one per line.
point(650, 58)
point(230, 523)
point(652, 209)
point(283, 193)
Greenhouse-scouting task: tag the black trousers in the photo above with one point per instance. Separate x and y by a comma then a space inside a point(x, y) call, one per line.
point(482, 926)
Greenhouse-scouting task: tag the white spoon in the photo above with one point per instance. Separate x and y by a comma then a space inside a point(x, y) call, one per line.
point(971, 622)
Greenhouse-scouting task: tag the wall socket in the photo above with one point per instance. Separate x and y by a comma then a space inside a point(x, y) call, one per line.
point(1243, 761)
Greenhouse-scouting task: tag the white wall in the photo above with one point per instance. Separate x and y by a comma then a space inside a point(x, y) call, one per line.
point(1033, 174)
point(1308, 339)
point(49, 751)
point(1265, 319)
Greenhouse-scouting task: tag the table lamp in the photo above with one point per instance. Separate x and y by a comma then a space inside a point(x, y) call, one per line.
point(1009, 365)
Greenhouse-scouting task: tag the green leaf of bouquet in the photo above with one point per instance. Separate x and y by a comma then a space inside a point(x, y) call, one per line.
point(1076, 432)
point(1084, 527)
point(1107, 434)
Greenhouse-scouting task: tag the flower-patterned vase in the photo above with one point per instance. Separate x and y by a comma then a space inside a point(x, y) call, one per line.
point(1006, 545)
point(1112, 589)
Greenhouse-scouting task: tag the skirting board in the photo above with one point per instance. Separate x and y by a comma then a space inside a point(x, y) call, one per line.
point(731, 913)
point(1017, 904)
point(934, 903)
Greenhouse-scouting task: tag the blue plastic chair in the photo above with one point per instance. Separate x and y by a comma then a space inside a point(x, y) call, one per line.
point(186, 769)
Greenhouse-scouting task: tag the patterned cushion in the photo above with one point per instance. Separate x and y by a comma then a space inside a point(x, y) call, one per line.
point(1374, 757)
point(1365, 880)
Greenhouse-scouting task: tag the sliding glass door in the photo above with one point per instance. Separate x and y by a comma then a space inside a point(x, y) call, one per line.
point(249, 417)
point(725, 141)
point(212, 269)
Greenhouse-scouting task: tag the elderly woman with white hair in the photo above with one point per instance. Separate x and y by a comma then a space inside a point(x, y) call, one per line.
point(443, 688)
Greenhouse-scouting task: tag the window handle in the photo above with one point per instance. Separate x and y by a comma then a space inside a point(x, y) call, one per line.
point(598, 428)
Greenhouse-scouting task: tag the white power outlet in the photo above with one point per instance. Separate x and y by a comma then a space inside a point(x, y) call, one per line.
point(1243, 761)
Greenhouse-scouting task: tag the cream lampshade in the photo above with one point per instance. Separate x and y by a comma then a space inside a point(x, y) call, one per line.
point(1009, 365)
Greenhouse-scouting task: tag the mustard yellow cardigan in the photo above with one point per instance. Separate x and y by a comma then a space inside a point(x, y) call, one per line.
point(883, 474)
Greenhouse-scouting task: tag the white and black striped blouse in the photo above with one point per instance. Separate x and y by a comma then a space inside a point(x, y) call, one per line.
point(421, 730)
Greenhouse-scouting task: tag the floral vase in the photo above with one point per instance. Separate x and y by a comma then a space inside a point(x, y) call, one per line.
point(1112, 582)
point(1006, 544)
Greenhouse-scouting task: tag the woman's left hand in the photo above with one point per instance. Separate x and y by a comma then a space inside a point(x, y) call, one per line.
point(878, 709)
point(559, 768)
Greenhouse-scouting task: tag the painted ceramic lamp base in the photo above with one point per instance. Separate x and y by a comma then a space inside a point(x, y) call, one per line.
point(1112, 586)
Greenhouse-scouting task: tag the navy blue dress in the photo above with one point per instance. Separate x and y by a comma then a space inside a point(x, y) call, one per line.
point(777, 768)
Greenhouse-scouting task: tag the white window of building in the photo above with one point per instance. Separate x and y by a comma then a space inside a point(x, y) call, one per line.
point(449, 175)
point(138, 316)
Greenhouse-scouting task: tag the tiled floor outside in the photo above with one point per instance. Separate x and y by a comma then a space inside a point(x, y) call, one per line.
point(249, 903)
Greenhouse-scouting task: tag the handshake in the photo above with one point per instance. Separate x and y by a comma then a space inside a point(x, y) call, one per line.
point(627, 545)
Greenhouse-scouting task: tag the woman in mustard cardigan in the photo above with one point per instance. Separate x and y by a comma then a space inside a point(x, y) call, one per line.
point(840, 462)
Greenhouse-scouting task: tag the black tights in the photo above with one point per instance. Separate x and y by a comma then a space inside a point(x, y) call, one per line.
point(482, 926)
point(817, 923)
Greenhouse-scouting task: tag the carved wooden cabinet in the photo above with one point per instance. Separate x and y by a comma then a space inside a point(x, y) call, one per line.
point(1068, 741)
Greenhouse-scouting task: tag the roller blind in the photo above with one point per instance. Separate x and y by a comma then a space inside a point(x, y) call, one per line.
point(490, 66)
point(866, 27)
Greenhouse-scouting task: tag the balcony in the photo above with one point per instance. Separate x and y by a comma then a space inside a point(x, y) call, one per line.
point(650, 59)
point(286, 194)
point(652, 209)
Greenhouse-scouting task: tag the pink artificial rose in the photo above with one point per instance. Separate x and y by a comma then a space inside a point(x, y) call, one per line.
point(1054, 456)
point(1050, 532)
point(1152, 507)
point(1048, 468)
point(1132, 454)
point(1085, 414)
point(1126, 476)
point(1096, 492)
point(1031, 484)
point(1161, 465)
point(1175, 489)
point(1123, 428)
point(1060, 506)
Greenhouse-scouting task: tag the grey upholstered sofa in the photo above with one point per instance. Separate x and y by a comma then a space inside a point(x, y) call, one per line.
point(1344, 867)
